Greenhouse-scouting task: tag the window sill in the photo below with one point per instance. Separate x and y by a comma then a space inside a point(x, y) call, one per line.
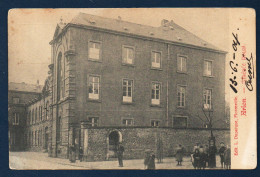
point(158, 69)
point(209, 110)
point(95, 60)
point(156, 105)
point(181, 107)
point(182, 72)
point(127, 64)
point(93, 100)
point(127, 103)
point(208, 76)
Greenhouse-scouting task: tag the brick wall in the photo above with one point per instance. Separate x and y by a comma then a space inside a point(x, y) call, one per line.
point(136, 140)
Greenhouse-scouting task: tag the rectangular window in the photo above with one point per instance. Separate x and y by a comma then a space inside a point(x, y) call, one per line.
point(207, 68)
point(156, 59)
point(181, 64)
point(156, 89)
point(16, 100)
point(94, 50)
point(93, 121)
point(181, 96)
point(93, 89)
point(128, 122)
point(16, 119)
point(155, 123)
point(128, 55)
point(127, 90)
point(180, 122)
point(207, 95)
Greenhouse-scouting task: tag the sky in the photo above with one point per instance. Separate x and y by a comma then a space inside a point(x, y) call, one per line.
point(31, 30)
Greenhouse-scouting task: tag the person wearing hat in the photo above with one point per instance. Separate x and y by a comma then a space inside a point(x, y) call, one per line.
point(221, 153)
point(151, 161)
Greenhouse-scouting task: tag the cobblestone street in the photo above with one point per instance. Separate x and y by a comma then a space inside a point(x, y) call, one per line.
point(39, 160)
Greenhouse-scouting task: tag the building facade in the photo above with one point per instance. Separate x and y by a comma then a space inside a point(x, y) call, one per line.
point(112, 81)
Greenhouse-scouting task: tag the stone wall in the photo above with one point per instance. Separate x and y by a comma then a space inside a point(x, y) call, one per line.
point(136, 140)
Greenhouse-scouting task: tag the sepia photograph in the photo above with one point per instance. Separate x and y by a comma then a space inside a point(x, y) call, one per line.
point(131, 88)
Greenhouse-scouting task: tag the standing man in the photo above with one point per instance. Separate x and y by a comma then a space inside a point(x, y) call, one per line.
point(221, 153)
point(212, 154)
point(120, 151)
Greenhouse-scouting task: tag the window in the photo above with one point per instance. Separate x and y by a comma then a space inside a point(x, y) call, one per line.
point(207, 68)
point(128, 55)
point(181, 64)
point(156, 87)
point(93, 91)
point(16, 119)
point(155, 123)
point(33, 116)
point(60, 77)
point(29, 118)
point(16, 100)
point(47, 110)
point(207, 95)
point(36, 116)
point(93, 121)
point(181, 96)
point(128, 122)
point(156, 59)
point(180, 122)
point(94, 50)
point(127, 90)
point(40, 113)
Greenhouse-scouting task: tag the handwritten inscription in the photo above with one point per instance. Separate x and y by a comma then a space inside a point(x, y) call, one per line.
point(251, 73)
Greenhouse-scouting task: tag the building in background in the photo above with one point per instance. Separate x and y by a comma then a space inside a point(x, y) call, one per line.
point(113, 81)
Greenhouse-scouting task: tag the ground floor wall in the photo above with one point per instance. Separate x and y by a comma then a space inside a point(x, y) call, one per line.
point(97, 146)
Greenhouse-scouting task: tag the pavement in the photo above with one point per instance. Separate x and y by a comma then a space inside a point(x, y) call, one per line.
point(40, 161)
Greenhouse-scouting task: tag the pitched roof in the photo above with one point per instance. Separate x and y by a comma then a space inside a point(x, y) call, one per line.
point(173, 33)
point(24, 87)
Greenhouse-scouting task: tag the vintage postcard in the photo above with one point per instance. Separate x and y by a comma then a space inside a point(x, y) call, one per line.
point(137, 88)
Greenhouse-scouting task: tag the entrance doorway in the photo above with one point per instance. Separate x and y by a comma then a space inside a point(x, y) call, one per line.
point(114, 138)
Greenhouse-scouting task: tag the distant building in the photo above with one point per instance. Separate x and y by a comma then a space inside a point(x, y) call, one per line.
point(112, 81)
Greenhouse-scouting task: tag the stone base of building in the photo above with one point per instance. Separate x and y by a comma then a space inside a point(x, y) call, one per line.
point(97, 145)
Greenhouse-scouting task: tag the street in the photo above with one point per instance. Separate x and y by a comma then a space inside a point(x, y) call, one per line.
point(39, 160)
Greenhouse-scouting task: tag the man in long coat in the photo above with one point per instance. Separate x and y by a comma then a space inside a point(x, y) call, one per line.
point(120, 152)
point(221, 153)
point(212, 155)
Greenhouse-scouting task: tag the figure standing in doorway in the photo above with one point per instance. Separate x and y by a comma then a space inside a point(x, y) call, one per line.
point(120, 152)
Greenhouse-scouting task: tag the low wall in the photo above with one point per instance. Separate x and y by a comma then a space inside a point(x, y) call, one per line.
point(136, 140)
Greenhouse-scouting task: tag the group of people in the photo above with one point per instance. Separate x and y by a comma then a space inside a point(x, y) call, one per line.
point(204, 156)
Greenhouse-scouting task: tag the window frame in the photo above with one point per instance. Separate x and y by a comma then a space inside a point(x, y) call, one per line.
point(100, 51)
point(127, 119)
point(16, 118)
point(132, 90)
point(179, 116)
point(160, 52)
point(155, 120)
point(151, 92)
point(122, 55)
point(211, 91)
point(204, 74)
point(186, 69)
point(184, 86)
point(95, 117)
point(99, 87)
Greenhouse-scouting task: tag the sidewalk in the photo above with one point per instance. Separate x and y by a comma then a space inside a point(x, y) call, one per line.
point(38, 160)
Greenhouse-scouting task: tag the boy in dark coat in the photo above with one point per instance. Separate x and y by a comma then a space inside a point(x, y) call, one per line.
point(120, 151)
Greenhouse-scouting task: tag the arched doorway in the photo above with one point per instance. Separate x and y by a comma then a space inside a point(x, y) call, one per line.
point(114, 138)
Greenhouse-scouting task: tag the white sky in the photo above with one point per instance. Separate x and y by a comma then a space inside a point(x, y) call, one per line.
point(31, 30)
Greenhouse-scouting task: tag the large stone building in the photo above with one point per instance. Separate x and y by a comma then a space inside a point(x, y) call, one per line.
point(113, 81)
